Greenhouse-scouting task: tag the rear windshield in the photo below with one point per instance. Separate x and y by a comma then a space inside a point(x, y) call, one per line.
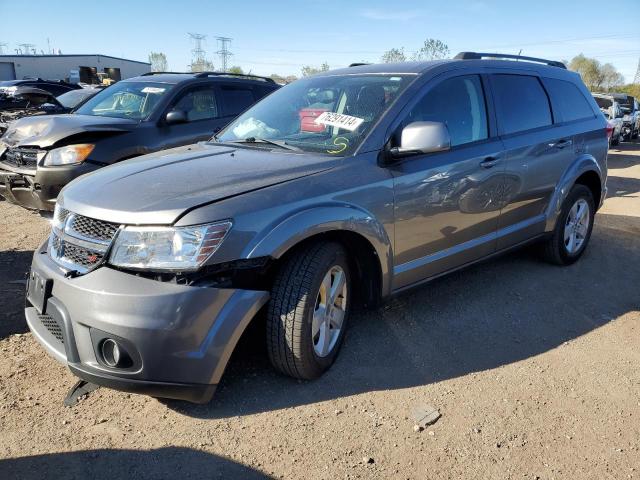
point(603, 102)
point(74, 97)
point(135, 100)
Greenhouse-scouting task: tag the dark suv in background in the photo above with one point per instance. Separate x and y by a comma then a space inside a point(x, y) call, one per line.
point(408, 171)
point(40, 155)
point(9, 87)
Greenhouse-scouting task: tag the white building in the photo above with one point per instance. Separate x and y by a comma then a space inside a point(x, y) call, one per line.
point(74, 68)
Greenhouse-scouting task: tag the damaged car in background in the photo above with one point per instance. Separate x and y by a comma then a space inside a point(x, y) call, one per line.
point(39, 155)
point(31, 101)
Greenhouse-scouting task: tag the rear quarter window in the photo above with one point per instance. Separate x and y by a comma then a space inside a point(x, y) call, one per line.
point(521, 103)
point(569, 100)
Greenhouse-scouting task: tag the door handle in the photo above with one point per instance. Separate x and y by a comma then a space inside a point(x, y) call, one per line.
point(562, 143)
point(489, 162)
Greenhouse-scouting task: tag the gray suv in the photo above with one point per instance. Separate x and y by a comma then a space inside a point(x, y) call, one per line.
point(336, 191)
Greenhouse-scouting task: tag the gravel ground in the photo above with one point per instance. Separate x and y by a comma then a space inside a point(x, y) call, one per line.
point(534, 369)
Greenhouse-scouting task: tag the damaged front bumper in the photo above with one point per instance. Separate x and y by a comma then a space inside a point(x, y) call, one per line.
point(37, 189)
point(176, 339)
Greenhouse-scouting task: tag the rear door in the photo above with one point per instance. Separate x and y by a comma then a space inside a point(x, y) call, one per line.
point(235, 98)
point(536, 154)
point(447, 203)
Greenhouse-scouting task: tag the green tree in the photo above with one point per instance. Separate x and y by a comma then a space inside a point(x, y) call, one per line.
point(432, 49)
point(236, 69)
point(393, 56)
point(158, 61)
point(308, 70)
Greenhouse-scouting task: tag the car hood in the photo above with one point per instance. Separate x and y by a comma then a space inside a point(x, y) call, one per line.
point(45, 131)
point(158, 188)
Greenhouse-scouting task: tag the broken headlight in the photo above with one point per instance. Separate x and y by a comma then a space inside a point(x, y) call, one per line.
point(167, 248)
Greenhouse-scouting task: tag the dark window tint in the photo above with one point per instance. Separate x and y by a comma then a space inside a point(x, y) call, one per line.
point(198, 104)
point(521, 103)
point(569, 99)
point(236, 100)
point(459, 103)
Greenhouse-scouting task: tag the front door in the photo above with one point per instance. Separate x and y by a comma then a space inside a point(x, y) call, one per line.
point(201, 106)
point(447, 204)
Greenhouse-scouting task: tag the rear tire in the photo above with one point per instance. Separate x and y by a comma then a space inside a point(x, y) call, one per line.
point(573, 227)
point(308, 311)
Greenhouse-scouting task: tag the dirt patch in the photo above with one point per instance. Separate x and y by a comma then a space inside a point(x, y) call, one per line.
point(533, 368)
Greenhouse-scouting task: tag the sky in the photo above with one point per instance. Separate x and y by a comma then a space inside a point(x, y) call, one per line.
point(282, 36)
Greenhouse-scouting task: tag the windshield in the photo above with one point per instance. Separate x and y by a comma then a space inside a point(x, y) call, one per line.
point(126, 100)
point(328, 114)
point(74, 97)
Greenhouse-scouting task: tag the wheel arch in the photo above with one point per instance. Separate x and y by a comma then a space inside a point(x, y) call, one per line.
point(585, 171)
point(360, 233)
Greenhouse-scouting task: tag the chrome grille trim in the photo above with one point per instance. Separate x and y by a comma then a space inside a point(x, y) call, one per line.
point(78, 243)
point(27, 158)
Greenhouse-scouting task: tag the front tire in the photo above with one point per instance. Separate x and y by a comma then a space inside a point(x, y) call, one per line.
point(308, 311)
point(573, 227)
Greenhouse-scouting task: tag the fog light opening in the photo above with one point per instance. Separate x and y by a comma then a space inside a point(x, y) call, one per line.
point(113, 354)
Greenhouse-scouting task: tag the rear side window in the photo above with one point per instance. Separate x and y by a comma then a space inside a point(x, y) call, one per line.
point(459, 103)
point(236, 100)
point(569, 99)
point(521, 103)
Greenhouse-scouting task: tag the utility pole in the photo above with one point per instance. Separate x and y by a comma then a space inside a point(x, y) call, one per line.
point(2, 45)
point(636, 79)
point(224, 52)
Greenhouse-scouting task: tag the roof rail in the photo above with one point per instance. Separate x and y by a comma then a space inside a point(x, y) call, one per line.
point(239, 75)
point(358, 64)
point(478, 56)
point(148, 74)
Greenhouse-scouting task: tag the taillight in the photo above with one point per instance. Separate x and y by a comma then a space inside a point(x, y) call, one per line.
point(609, 130)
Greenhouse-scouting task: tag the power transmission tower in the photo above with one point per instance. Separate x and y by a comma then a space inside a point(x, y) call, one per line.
point(198, 54)
point(636, 79)
point(27, 48)
point(2, 45)
point(223, 51)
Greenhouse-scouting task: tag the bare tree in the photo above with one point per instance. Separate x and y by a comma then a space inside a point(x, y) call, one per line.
point(394, 55)
point(158, 61)
point(432, 49)
point(308, 70)
point(595, 75)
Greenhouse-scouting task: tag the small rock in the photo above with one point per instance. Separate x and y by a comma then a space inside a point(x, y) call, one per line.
point(417, 428)
point(337, 412)
point(432, 433)
point(65, 422)
point(368, 460)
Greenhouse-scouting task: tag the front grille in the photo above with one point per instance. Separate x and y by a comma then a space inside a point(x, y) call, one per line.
point(75, 255)
point(53, 327)
point(22, 157)
point(80, 243)
point(93, 229)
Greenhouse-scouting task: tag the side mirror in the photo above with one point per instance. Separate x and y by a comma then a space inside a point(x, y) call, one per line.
point(176, 116)
point(422, 137)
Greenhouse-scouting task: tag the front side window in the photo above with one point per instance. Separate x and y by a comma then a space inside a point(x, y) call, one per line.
point(521, 103)
point(570, 100)
point(198, 103)
point(136, 100)
point(329, 114)
point(457, 102)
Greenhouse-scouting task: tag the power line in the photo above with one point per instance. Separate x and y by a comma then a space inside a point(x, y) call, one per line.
point(223, 51)
point(2, 45)
point(197, 53)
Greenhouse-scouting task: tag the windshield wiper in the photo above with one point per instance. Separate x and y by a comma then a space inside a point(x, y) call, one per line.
point(278, 143)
